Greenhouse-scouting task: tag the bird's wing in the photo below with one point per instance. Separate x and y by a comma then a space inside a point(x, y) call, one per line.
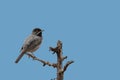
point(31, 42)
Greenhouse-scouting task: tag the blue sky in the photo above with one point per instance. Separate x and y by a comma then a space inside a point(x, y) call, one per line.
point(89, 30)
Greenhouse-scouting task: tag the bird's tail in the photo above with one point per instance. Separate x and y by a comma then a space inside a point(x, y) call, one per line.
point(19, 57)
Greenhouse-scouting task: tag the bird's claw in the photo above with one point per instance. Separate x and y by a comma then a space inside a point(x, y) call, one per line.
point(28, 56)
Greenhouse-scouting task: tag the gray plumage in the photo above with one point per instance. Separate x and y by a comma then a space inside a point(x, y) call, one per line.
point(32, 43)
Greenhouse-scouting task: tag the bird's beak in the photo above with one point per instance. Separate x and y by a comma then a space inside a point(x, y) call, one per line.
point(42, 30)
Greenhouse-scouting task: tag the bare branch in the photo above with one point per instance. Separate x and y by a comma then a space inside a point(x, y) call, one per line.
point(64, 58)
point(53, 49)
point(60, 59)
point(57, 49)
point(42, 61)
point(59, 44)
point(59, 64)
point(66, 65)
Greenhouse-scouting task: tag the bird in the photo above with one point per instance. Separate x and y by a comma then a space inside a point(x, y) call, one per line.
point(32, 43)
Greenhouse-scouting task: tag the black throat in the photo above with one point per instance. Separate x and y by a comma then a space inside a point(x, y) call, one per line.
point(40, 34)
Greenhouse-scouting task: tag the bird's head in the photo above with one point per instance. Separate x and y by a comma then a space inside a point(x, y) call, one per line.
point(37, 31)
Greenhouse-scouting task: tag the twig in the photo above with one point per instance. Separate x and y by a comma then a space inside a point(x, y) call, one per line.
point(66, 65)
point(65, 57)
point(42, 61)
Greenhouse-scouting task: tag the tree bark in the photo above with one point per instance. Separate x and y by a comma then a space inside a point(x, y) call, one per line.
point(60, 59)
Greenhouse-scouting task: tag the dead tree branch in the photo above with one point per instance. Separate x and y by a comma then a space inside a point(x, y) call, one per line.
point(42, 61)
point(64, 58)
point(66, 65)
point(60, 59)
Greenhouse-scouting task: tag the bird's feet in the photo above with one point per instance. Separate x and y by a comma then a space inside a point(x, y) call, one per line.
point(33, 56)
point(30, 55)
